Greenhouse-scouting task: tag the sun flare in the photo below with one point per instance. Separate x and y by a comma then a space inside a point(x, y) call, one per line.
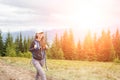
point(87, 15)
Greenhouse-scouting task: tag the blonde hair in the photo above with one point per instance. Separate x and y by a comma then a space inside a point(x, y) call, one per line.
point(43, 42)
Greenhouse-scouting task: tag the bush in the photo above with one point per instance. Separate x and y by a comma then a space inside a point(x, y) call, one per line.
point(20, 54)
point(27, 54)
point(116, 60)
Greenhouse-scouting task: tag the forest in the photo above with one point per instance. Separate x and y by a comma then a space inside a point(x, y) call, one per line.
point(105, 47)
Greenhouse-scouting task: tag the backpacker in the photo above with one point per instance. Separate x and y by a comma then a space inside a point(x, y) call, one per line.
point(36, 52)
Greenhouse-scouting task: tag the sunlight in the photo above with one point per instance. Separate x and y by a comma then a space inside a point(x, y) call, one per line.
point(84, 15)
point(87, 15)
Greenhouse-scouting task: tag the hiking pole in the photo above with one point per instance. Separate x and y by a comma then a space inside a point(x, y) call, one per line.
point(46, 62)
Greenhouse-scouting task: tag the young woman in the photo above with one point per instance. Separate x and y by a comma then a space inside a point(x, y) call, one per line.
point(38, 55)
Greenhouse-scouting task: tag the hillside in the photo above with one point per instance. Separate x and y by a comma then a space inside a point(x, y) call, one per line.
point(21, 69)
point(11, 69)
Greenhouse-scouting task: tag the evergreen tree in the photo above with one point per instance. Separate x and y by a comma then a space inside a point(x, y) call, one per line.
point(95, 46)
point(79, 51)
point(1, 45)
point(65, 45)
point(55, 51)
point(106, 49)
point(17, 46)
point(21, 44)
point(110, 51)
point(116, 43)
point(25, 45)
point(88, 47)
point(29, 41)
point(68, 45)
point(71, 47)
point(10, 47)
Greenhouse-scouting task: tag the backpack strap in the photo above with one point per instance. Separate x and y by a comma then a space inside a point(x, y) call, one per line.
point(38, 44)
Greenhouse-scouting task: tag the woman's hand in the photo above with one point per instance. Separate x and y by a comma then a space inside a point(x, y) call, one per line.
point(35, 46)
point(46, 46)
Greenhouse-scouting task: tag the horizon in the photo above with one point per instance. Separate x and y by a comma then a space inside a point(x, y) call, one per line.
point(77, 34)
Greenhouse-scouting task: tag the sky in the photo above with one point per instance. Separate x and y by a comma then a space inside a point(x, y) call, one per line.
point(94, 15)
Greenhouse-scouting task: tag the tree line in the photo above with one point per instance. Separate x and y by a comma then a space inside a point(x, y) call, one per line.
point(15, 48)
point(103, 48)
point(106, 47)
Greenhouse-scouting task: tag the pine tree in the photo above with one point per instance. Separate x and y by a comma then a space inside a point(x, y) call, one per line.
point(25, 45)
point(79, 55)
point(55, 51)
point(1, 45)
point(65, 44)
point(68, 45)
point(17, 46)
point(95, 46)
point(21, 43)
point(88, 47)
point(116, 43)
point(110, 51)
point(29, 41)
point(10, 47)
point(71, 47)
point(106, 49)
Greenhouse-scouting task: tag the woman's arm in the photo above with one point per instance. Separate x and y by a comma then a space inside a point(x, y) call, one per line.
point(31, 49)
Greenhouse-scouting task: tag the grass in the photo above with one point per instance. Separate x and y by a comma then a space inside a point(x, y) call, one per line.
point(72, 70)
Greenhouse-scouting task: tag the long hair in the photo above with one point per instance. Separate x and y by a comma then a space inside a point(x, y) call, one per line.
point(43, 42)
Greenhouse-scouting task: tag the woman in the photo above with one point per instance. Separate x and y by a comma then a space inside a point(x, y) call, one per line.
point(38, 47)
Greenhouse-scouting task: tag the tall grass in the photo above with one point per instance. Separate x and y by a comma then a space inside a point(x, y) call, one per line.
point(72, 70)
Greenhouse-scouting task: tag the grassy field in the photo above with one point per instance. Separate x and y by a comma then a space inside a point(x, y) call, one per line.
point(71, 70)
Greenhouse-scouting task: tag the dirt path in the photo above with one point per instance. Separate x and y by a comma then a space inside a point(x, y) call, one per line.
point(9, 72)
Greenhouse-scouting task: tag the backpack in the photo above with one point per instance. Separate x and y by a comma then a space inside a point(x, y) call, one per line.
point(36, 53)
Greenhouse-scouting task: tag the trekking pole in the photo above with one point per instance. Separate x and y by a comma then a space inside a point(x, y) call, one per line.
point(46, 63)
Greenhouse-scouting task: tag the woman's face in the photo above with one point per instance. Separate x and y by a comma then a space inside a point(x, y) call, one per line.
point(37, 36)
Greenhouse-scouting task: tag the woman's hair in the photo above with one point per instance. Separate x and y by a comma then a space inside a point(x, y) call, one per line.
point(43, 41)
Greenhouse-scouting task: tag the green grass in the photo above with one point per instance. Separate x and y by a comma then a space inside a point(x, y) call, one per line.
point(72, 70)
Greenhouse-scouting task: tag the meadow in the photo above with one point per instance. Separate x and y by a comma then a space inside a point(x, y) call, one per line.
point(70, 69)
